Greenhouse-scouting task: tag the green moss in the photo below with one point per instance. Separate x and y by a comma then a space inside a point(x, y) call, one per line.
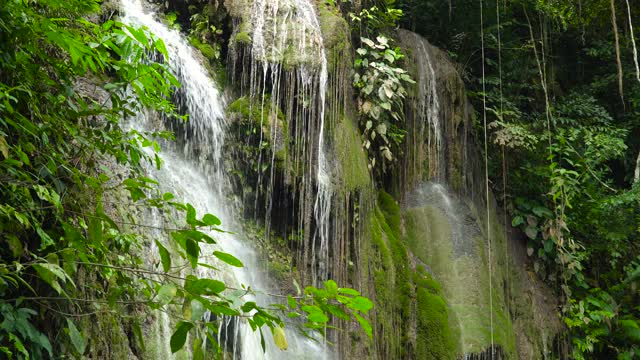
point(336, 36)
point(243, 38)
point(391, 210)
point(464, 279)
point(433, 338)
point(261, 114)
point(353, 161)
point(207, 50)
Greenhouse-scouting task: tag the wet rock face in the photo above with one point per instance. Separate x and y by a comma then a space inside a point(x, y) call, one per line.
point(278, 32)
point(489, 293)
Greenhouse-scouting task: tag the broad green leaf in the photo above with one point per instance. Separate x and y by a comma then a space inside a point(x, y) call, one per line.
point(191, 215)
point(210, 220)
point(228, 258)
point(332, 287)
point(292, 302)
point(203, 286)
point(360, 303)
point(166, 294)
point(76, 338)
point(337, 311)
point(95, 230)
point(517, 221)
point(165, 257)
point(179, 336)
point(51, 273)
point(197, 310)
point(348, 291)
point(280, 338)
point(531, 232)
point(365, 325)
point(318, 317)
point(193, 251)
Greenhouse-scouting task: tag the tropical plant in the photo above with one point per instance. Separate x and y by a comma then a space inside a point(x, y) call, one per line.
point(66, 84)
point(380, 83)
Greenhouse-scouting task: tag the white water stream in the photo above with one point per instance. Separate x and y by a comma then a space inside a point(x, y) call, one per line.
point(195, 174)
point(279, 26)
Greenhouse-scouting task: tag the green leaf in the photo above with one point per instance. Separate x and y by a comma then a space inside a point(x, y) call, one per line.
point(76, 338)
point(137, 331)
point(531, 232)
point(197, 310)
point(4, 147)
point(165, 257)
point(292, 302)
point(541, 211)
point(517, 221)
point(279, 338)
point(51, 273)
point(365, 325)
point(210, 220)
point(203, 286)
point(332, 287)
point(95, 230)
point(193, 251)
point(166, 294)
point(318, 317)
point(191, 215)
point(348, 291)
point(360, 303)
point(228, 258)
point(179, 337)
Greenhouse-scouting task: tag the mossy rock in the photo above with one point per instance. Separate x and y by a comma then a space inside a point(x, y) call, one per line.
point(354, 173)
point(206, 49)
point(433, 335)
point(243, 38)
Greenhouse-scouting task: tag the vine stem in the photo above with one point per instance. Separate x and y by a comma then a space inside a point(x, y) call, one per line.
point(486, 170)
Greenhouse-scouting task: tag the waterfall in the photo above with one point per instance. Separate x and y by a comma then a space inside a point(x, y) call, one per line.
point(193, 171)
point(287, 58)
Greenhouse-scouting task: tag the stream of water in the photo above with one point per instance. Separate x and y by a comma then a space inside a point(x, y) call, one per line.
point(193, 171)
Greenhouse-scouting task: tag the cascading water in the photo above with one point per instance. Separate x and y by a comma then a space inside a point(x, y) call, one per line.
point(287, 50)
point(426, 105)
point(195, 175)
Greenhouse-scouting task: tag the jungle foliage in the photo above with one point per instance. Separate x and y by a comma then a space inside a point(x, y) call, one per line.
point(69, 77)
point(563, 108)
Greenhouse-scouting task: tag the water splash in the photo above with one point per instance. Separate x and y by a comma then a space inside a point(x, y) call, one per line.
point(193, 171)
